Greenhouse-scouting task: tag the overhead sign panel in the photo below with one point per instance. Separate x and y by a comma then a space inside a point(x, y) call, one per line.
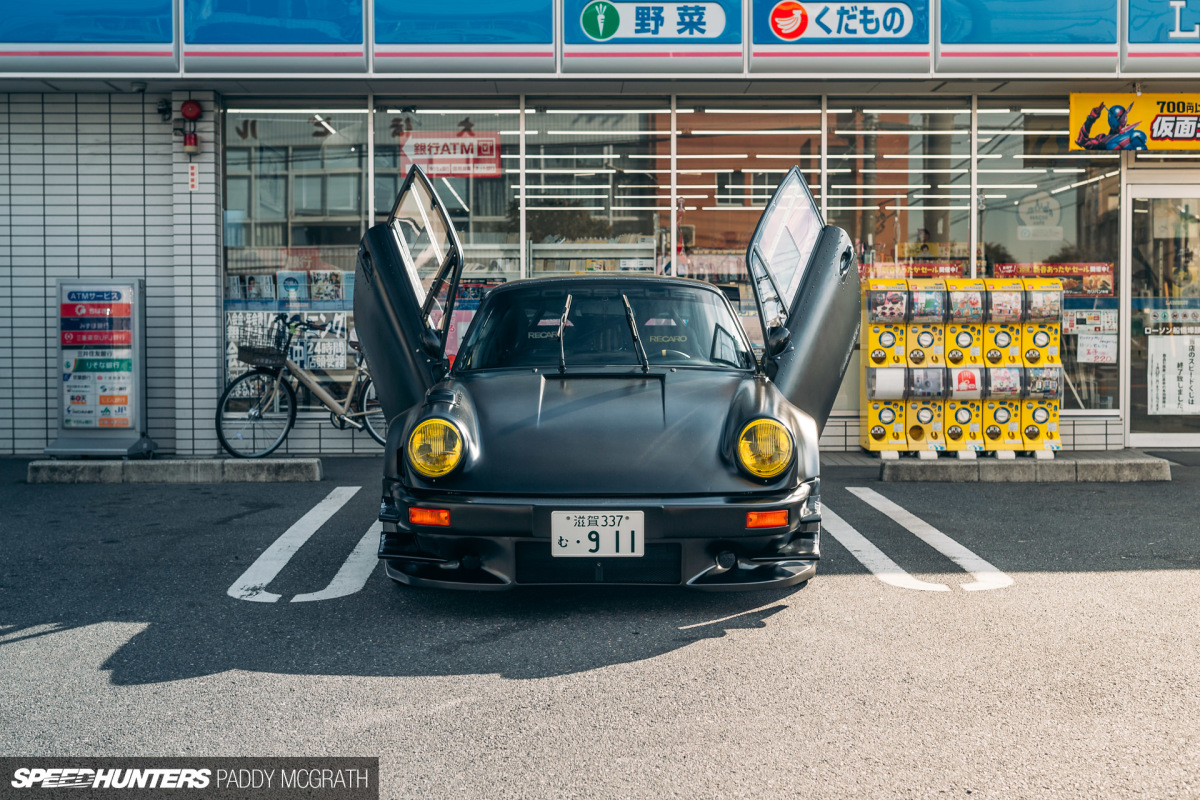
point(239, 36)
point(469, 36)
point(1114, 121)
point(639, 37)
point(1028, 36)
point(1162, 36)
point(88, 36)
point(871, 36)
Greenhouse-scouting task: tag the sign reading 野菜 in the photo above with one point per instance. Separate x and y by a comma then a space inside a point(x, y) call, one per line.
point(1115, 121)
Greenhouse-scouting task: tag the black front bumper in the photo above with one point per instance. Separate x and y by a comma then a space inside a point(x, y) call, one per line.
point(496, 543)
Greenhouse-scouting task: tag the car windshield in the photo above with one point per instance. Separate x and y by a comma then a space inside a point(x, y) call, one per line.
point(679, 326)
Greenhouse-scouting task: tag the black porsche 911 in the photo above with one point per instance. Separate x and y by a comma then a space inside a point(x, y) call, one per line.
point(604, 428)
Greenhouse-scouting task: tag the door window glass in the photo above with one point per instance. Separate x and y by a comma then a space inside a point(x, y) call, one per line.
point(1165, 353)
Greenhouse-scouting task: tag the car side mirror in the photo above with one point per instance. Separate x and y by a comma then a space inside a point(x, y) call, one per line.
point(777, 340)
point(431, 343)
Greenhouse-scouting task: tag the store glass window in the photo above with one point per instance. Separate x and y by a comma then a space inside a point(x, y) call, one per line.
point(295, 210)
point(471, 154)
point(729, 159)
point(1047, 212)
point(597, 186)
point(899, 183)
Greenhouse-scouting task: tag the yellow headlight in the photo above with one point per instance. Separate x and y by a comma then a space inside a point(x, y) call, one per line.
point(435, 448)
point(765, 448)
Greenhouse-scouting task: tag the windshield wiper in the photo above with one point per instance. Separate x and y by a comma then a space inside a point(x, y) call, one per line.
point(562, 324)
point(637, 340)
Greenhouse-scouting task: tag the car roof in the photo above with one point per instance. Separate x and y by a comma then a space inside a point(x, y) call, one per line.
point(607, 277)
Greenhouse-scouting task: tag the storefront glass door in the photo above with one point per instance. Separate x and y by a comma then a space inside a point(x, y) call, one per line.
point(1164, 275)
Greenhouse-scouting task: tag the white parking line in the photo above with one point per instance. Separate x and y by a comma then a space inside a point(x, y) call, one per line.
point(353, 575)
point(871, 556)
point(986, 576)
point(252, 585)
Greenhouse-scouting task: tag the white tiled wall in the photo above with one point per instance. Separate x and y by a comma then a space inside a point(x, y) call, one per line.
point(95, 186)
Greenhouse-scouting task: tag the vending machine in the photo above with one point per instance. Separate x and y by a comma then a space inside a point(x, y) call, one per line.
point(1039, 409)
point(885, 313)
point(1006, 312)
point(925, 407)
point(966, 304)
point(964, 409)
point(1041, 331)
point(1002, 409)
point(881, 418)
point(926, 337)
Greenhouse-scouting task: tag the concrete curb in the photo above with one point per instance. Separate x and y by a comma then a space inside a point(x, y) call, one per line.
point(1127, 466)
point(213, 470)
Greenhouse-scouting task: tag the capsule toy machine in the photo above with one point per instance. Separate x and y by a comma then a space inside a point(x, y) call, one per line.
point(966, 305)
point(1041, 332)
point(885, 313)
point(925, 407)
point(1005, 313)
point(964, 409)
point(1039, 408)
point(926, 334)
point(881, 415)
point(1002, 409)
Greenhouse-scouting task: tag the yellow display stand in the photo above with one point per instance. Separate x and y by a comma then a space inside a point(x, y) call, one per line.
point(1006, 312)
point(885, 314)
point(882, 413)
point(1041, 330)
point(925, 408)
point(1002, 409)
point(926, 333)
point(964, 409)
point(966, 300)
point(1039, 409)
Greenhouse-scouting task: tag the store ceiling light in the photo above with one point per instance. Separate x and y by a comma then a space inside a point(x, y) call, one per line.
point(920, 171)
point(595, 111)
point(756, 110)
point(325, 124)
point(916, 111)
point(303, 112)
point(923, 207)
point(456, 197)
point(781, 131)
point(1055, 111)
point(1007, 185)
point(888, 186)
point(455, 111)
point(1023, 133)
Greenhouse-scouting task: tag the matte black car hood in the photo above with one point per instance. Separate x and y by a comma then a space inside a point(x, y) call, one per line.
point(608, 432)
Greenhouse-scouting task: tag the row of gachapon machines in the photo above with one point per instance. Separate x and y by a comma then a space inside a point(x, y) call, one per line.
point(962, 322)
point(961, 408)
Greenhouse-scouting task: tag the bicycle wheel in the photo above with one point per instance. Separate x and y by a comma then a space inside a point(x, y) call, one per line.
point(375, 420)
point(255, 414)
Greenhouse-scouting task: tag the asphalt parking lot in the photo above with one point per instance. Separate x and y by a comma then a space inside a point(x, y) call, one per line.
point(986, 640)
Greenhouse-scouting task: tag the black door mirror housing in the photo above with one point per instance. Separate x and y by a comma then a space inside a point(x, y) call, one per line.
point(777, 340)
point(431, 343)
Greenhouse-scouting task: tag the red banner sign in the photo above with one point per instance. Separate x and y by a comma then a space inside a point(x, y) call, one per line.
point(466, 154)
point(83, 338)
point(913, 269)
point(95, 310)
point(1079, 280)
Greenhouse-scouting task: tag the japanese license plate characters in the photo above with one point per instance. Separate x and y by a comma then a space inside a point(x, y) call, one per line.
point(597, 533)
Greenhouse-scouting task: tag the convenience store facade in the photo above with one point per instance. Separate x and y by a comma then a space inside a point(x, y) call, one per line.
point(940, 142)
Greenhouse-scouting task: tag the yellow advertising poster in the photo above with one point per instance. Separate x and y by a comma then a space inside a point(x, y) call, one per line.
point(1115, 121)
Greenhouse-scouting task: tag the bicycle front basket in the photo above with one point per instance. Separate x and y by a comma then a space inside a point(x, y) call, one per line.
point(264, 345)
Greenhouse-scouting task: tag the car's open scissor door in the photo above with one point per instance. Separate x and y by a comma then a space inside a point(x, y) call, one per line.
point(806, 284)
point(404, 288)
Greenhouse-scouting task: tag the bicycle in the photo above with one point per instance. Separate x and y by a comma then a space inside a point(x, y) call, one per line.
point(257, 411)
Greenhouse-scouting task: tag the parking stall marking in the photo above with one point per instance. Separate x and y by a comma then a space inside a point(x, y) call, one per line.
point(353, 575)
point(871, 556)
point(986, 575)
point(252, 584)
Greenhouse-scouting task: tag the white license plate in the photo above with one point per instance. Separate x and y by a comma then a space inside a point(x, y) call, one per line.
point(586, 534)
